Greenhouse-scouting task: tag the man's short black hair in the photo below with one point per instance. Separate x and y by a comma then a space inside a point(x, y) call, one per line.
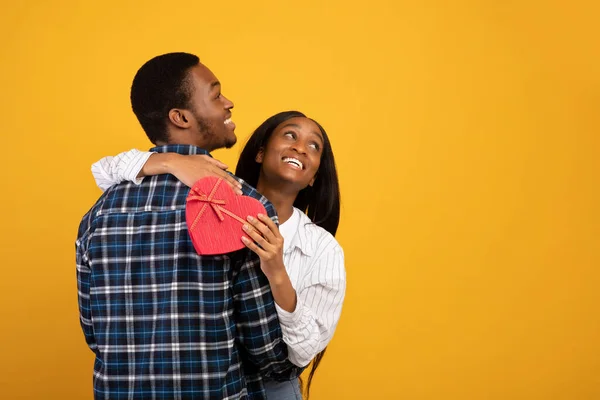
point(160, 85)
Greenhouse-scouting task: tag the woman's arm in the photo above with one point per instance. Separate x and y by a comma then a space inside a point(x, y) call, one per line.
point(133, 165)
point(267, 235)
point(308, 319)
point(125, 166)
point(310, 327)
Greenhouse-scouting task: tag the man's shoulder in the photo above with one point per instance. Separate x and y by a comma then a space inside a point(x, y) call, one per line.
point(87, 222)
point(159, 193)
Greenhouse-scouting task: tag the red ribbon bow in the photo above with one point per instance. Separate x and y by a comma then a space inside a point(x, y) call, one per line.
point(216, 205)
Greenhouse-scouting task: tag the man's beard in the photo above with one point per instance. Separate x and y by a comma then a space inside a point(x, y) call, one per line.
point(207, 130)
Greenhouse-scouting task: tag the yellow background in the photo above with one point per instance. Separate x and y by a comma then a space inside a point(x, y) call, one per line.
point(466, 137)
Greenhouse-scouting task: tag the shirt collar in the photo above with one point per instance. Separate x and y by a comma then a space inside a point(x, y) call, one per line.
point(301, 239)
point(180, 148)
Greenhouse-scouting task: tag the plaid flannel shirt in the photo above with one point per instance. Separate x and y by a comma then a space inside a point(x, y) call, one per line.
point(164, 322)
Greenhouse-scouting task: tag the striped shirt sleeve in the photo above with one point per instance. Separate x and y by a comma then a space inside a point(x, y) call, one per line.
point(125, 166)
point(310, 327)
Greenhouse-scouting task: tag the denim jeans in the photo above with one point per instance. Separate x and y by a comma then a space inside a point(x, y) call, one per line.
point(287, 390)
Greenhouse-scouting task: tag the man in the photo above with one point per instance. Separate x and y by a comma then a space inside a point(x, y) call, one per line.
point(163, 321)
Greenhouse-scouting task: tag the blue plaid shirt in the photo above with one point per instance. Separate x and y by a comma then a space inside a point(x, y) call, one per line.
point(164, 322)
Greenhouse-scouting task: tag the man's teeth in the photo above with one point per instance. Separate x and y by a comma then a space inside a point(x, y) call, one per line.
point(293, 161)
point(227, 121)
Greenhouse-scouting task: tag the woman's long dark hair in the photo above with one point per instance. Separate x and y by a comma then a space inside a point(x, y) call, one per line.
point(320, 202)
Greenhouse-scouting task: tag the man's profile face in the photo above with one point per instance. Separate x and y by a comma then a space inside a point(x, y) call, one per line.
point(211, 110)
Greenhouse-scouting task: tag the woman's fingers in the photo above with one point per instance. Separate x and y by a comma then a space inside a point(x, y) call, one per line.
point(253, 246)
point(256, 236)
point(215, 162)
point(265, 230)
point(270, 224)
point(192, 168)
point(235, 185)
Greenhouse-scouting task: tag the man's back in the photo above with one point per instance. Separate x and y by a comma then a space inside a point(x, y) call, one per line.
point(163, 321)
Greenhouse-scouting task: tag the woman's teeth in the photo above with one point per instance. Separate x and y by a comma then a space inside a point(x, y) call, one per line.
point(293, 161)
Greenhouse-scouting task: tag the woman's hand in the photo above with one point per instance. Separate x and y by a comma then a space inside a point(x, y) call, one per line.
point(190, 168)
point(267, 243)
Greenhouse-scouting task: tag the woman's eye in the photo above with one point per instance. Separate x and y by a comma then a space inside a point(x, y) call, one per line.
point(315, 146)
point(290, 134)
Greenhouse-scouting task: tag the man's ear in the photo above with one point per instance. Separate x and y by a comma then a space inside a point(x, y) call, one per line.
point(179, 118)
point(260, 155)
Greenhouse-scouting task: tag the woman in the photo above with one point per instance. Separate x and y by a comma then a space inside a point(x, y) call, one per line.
point(289, 160)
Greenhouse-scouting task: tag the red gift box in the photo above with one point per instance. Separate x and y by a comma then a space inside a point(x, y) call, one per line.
point(215, 216)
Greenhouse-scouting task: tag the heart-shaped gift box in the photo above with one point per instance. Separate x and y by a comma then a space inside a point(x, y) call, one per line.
point(215, 215)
